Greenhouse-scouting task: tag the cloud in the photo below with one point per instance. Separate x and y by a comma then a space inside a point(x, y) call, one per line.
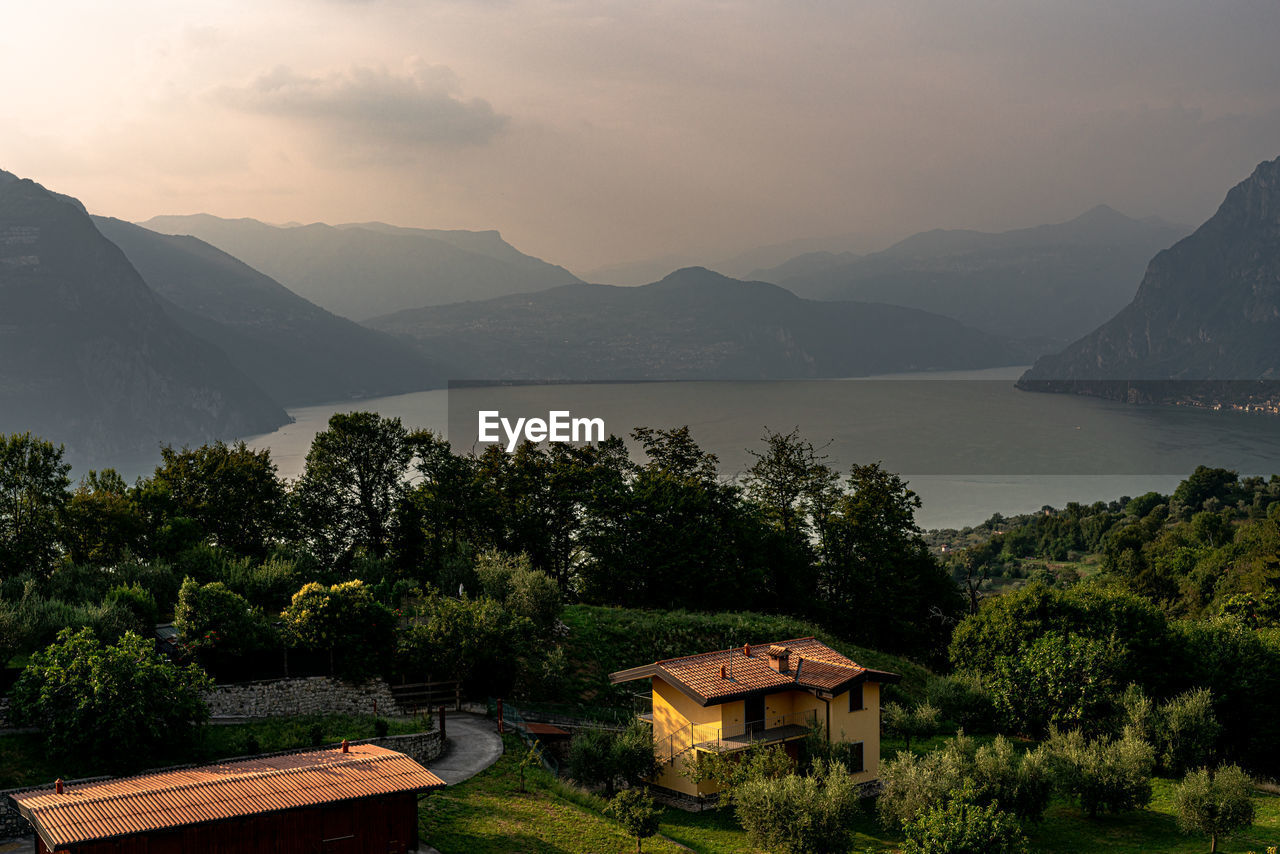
point(374, 107)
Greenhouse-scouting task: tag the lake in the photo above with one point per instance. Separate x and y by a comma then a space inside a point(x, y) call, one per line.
point(968, 442)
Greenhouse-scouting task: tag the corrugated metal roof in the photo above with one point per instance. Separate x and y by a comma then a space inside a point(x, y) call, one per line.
point(171, 799)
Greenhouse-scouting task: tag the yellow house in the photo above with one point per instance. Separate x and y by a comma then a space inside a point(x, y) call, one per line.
point(770, 694)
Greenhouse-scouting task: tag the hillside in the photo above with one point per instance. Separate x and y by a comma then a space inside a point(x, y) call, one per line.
point(366, 270)
point(88, 356)
point(298, 352)
point(1052, 281)
point(603, 640)
point(694, 324)
point(1204, 326)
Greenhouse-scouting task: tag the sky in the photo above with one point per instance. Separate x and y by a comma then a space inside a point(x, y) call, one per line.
point(596, 133)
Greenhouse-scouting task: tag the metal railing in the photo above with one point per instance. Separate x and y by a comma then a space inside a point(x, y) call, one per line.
point(774, 727)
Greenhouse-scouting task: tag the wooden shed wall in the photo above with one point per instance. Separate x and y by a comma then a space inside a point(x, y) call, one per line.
point(382, 824)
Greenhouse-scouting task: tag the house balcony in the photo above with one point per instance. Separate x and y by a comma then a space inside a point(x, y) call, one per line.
point(775, 729)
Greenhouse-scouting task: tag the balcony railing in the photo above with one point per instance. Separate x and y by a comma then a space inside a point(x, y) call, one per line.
point(773, 729)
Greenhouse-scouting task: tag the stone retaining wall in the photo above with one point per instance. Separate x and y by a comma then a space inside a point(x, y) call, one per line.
point(316, 695)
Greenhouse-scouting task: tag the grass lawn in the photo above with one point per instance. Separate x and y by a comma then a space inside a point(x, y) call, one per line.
point(24, 761)
point(488, 815)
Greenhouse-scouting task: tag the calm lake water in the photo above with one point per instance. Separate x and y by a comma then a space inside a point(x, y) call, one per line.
point(968, 442)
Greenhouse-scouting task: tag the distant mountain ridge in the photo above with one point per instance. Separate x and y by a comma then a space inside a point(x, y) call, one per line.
point(298, 352)
point(88, 355)
point(363, 270)
point(1050, 281)
point(693, 324)
point(1204, 326)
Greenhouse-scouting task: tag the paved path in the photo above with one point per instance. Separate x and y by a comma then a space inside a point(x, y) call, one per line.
point(474, 745)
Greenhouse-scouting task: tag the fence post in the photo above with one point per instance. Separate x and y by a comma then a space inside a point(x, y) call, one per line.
point(500, 729)
point(457, 695)
point(442, 723)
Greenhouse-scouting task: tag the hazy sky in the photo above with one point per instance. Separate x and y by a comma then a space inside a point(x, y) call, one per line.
point(600, 132)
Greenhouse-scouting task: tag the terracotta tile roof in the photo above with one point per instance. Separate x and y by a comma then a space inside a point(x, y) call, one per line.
point(717, 677)
point(169, 799)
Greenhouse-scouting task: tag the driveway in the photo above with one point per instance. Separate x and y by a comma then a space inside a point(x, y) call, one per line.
point(474, 745)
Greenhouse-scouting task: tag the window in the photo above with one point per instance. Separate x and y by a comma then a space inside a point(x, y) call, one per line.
point(855, 698)
point(856, 764)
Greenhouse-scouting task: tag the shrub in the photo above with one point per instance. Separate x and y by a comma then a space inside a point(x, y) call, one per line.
point(960, 826)
point(211, 617)
point(122, 705)
point(993, 774)
point(800, 815)
point(1214, 804)
point(604, 758)
point(1102, 775)
point(137, 601)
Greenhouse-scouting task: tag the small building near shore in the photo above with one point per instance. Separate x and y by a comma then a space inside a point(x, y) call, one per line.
point(338, 801)
point(770, 694)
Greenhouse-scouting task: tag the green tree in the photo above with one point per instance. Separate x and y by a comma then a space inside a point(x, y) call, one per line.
point(1214, 804)
point(230, 493)
point(104, 521)
point(800, 815)
point(920, 721)
point(608, 759)
point(1204, 484)
point(345, 620)
point(730, 771)
point(123, 705)
point(475, 640)
point(33, 493)
point(1102, 775)
point(352, 484)
point(636, 812)
point(870, 550)
point(995, 773)
point(1059, 680)
point(1188, 731)
point(525, 591)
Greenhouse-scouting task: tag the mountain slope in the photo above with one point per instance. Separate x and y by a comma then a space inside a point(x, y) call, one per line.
point(88, 356)
point(298, 352)
point(1206, 315)
point(1050, 281)
point(694, 324)
point(365, 270)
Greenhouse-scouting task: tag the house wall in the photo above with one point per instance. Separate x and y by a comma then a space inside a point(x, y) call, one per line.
point(673, 712)
point(862, 725)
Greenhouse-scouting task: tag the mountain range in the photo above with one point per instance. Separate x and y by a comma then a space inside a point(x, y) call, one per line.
point(1051, 282)
point(693, 324)
point(89, 355)
point(363, 270)
point(296, 351)
point(1204, 327)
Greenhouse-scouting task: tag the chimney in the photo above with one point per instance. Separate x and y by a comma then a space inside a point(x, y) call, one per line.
point(346, 748)
point(746, 650)
point(778, 656)
point(724, 672)
point(799, 664)
point(57, 786)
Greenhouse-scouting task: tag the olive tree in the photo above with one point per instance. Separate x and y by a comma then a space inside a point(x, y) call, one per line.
point(1214, 804)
